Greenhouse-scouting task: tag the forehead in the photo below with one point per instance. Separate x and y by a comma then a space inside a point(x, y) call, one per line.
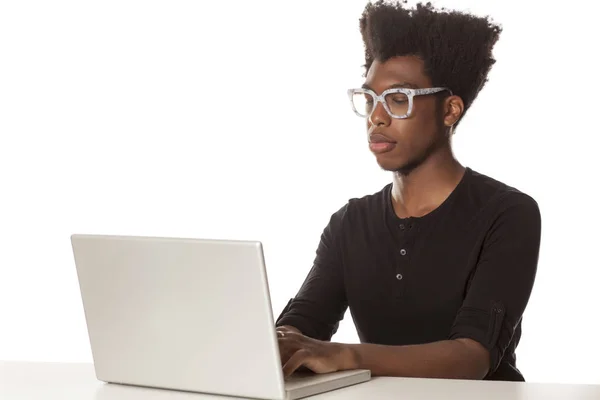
point(397, 70)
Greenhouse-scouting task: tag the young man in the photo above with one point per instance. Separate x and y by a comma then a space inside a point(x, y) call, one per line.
point(437, 267)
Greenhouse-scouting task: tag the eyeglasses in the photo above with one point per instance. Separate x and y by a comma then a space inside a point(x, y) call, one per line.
point(397, 102)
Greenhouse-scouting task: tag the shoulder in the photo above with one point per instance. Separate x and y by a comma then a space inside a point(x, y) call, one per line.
point(502, 206)
point(491, 196)
point(367, 206)
point(370, 204)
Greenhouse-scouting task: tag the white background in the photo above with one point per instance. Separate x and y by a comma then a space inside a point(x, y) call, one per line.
point(230, 120)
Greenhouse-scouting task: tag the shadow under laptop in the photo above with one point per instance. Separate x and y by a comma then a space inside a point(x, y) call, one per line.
point(114, 391)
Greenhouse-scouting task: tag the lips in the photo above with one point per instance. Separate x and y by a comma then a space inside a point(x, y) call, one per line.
point(379, 143)
point(380, 138)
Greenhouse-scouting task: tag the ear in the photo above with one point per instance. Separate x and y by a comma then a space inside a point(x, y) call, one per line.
point(453, 110)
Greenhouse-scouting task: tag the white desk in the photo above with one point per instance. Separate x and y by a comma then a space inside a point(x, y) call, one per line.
point(55, 381)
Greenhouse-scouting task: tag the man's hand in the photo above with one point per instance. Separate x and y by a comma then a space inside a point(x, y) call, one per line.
point(320, 357)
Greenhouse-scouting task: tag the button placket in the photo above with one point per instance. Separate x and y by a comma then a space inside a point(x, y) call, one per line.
point(405, 238)
point(400, 267)
point(404, 227)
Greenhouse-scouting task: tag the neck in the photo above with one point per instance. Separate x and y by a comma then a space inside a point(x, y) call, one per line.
point(427, 186)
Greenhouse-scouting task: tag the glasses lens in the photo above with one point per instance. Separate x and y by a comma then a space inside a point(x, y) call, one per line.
point(363, 103)
point(397, 103)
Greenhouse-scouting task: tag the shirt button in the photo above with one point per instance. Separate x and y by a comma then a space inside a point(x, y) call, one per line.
point(402, 227)
point(403, 252)
point(399, 277)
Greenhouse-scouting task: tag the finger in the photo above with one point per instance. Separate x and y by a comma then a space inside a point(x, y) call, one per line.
point(287, 329)
point(296, 361)
point(287, 347)
point(284, 353)
point(281, 333)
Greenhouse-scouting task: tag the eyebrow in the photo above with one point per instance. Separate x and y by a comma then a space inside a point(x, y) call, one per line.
point(394, 86)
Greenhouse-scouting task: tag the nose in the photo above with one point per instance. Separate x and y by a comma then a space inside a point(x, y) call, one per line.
point(379, 116)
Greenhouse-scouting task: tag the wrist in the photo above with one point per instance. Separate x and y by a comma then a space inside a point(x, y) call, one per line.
point(348, 357)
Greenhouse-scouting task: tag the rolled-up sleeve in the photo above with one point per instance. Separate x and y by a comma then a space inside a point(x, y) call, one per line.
point(503, 279)
point(321, 302)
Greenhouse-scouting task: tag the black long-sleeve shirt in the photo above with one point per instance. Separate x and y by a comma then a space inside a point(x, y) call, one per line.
point(465, 270)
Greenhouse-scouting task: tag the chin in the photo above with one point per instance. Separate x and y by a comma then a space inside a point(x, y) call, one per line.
point(386, 167)
point(403, 167)
point(388, 163)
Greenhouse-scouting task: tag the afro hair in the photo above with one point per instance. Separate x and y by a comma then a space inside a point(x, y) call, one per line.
point(456, 47)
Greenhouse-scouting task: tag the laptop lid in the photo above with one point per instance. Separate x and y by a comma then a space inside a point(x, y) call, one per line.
point(184, 314)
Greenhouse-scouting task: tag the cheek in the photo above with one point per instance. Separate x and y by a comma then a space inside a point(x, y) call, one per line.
point(415, 134)
point(423, 127)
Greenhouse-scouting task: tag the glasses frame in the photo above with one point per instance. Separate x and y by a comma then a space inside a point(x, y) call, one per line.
point(410, 93)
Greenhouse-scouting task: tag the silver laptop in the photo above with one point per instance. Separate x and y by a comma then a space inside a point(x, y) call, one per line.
point(187, 314)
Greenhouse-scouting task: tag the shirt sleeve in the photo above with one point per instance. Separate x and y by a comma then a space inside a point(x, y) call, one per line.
point(503, 279)
point(321, 301)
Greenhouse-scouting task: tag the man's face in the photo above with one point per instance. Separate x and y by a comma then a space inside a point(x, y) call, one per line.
point(412, 140)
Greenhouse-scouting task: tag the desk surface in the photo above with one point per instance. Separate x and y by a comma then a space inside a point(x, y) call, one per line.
point(57, 381)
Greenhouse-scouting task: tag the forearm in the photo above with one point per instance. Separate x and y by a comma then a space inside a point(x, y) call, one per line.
point(310, 321)
point(454, 359)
